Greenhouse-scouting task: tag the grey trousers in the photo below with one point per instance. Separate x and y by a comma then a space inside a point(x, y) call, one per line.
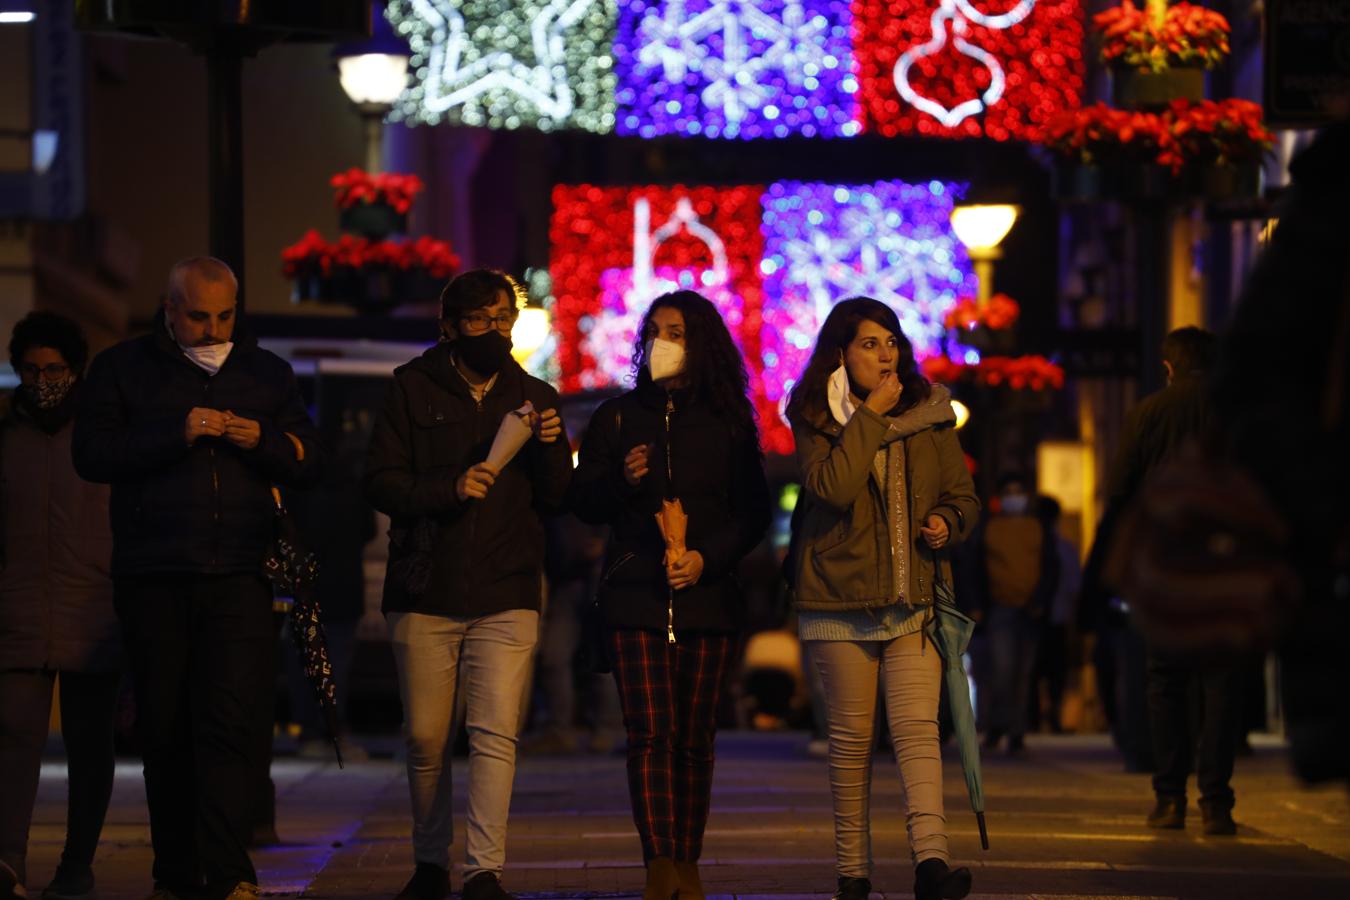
point(493, 656)
point(909, 671)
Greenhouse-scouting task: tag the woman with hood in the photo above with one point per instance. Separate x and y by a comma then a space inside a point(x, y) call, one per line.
point(885, 488)
point(671, 614)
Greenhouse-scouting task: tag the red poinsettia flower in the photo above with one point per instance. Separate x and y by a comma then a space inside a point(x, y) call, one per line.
point(1186, 35)
point(1218, 132)
point(312, 255)
point(356, 186)
point(1017, 372)
point(999, 313)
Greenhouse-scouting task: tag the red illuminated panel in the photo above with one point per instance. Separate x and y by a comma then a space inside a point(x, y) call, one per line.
point(967, 68)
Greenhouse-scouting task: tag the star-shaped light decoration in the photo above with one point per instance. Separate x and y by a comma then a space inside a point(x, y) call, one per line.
point(545, 64)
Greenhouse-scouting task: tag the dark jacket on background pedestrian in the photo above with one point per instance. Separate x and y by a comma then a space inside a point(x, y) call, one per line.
point(205, 508)
point(56, 608)
point(488, 554)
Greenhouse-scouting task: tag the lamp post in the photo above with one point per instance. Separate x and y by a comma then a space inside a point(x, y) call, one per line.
point(373, 74)
point(981, 228)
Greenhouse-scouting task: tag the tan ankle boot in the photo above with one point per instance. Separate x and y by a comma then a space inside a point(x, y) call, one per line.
point(691, 885)
point(662, 882)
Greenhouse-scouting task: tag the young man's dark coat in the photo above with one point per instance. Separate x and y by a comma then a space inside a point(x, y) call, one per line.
point(488, 554)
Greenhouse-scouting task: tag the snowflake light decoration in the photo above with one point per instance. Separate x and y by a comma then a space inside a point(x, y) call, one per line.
point(735, 68)
point(967, 68)
point(823, 243)
point(504, 64)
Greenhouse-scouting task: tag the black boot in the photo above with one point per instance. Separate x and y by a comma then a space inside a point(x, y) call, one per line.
point(1169, 813)
point(1217, 818)
point(852, 888)
point(933, 880)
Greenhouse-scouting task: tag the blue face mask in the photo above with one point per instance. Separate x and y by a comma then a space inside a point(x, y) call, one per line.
point(1015, 504)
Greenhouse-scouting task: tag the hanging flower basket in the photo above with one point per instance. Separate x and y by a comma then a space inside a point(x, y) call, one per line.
point(1162, 155)
point(373, 276)
point(1161, 37)
point(1133, 89)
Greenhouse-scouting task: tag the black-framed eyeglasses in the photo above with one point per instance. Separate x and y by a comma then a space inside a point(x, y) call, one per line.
point(477, 323)
point(51, 371)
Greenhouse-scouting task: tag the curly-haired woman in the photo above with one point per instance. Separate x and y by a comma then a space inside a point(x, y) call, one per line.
point(687, 432)
point(885, 486)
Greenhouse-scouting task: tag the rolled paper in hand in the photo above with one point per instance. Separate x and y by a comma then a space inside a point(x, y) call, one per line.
point(674, 525)
point(517, 427)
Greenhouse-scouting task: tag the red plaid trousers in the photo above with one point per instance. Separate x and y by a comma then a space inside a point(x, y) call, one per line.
point(669, 694)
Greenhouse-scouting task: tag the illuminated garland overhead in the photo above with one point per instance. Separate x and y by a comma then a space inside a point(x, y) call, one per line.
point(745, 68)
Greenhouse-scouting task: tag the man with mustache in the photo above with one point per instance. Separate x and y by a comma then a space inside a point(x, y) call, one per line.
point(192, 425)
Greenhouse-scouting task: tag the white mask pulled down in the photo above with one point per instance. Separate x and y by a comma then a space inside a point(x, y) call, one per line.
point(840, 397)
point(664, 358)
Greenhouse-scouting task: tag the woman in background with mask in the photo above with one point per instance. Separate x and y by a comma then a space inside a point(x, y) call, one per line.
point(56, 609)
point(884, 488)
point(686, 432)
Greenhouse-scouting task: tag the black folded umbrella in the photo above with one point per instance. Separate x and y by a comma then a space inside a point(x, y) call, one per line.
point(294, 572)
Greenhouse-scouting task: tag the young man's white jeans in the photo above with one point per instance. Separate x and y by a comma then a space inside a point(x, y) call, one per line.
point(493, 654)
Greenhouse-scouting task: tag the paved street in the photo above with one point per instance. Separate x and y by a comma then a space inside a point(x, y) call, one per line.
point(1065, 822)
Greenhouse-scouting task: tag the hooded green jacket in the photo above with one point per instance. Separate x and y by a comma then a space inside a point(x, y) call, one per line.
point(842, 554)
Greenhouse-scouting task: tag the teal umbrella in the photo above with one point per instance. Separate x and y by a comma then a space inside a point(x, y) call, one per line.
point(950, 630)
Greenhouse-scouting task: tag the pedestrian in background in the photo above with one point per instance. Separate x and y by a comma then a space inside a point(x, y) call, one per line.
point(57, 623)
point(1017, 564)
point(686, 432)
point(886, 486)
point(1183, 742)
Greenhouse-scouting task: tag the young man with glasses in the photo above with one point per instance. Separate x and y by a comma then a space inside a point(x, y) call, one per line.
point(465, 570)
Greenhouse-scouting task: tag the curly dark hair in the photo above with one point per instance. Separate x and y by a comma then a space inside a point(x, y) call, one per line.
point(47, 329)
point(809, 402)
point(713, 366)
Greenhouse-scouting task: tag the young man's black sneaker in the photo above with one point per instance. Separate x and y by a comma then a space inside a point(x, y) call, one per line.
point(485, 886)
point(852, 888)
point(933, 880)
point(428, 882)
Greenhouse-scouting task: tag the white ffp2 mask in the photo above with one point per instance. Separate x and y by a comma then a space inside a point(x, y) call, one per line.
point(664, 358)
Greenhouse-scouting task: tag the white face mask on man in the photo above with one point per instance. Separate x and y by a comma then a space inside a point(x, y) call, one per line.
point(208, 357)
point(665, 359)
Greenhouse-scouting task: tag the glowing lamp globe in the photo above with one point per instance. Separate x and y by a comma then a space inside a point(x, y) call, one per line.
point(375, 79)
point(981, 227)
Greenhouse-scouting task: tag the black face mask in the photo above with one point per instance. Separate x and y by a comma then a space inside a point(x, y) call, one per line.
point(485, 353)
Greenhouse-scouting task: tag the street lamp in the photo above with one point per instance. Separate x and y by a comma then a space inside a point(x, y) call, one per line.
point(373, 74)
point(981, 227)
